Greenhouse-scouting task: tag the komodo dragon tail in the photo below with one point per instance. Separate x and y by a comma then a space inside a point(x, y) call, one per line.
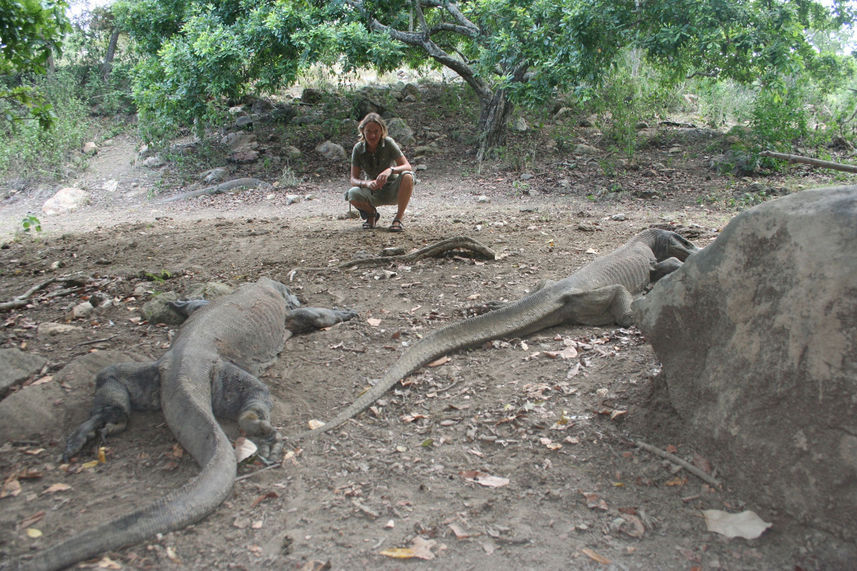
point(180, 507)
point(512, 319)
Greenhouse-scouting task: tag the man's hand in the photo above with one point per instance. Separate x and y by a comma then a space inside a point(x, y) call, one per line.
point(381, 180)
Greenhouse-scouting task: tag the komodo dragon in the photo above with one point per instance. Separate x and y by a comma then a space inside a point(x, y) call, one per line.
point(208, 371)
point(599, 293)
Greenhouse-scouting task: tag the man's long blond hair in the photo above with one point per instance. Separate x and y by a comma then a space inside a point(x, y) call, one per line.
point(372, 118)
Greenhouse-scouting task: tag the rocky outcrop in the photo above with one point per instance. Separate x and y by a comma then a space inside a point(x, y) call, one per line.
point(758, 339)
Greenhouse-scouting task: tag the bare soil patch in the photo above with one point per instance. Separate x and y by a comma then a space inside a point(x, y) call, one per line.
point(557, 432)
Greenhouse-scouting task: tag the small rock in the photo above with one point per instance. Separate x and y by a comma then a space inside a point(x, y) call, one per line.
point(584, 149)
point(49, 329)
point(482, 199)
point(82, 310)
point(17, 366)
point(292, 199)
point(400, 131)
point(331, 151)
point(244, 122)
point(618, 217)
point(521, 125)
point(291, 152)
point(89, 148)
point(65, 200)
point(153, 162)
point(244, 156)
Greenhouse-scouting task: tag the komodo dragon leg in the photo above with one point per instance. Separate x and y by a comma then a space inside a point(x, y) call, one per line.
point(601, 306)
point(119, 389)
point(660, 269)
point(305, 319)
point(238, 395)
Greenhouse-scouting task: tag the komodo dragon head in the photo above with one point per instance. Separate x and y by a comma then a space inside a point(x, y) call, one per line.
point(667, 244)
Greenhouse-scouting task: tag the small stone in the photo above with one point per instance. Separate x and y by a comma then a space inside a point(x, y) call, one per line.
point(82, 310)
point(50, 329)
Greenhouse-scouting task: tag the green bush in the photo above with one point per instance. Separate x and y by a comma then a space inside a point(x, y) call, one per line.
point(27, 150)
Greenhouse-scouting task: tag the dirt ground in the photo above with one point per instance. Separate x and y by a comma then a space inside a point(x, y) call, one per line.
point(552, 419)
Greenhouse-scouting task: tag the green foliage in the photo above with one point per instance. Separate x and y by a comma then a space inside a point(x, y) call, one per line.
point(31, 222)
point(724, 102)
point(780, 116)
point(29, 32)
point(29, 151)
point(197, 57)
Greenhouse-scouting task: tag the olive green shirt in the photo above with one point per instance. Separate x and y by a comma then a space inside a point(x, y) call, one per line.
point(372, 164)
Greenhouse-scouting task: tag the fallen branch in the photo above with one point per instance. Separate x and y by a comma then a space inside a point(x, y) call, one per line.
point(676, 460)
point(809, 161)
point(224, 187)
point(433, 250)
point(21, 300)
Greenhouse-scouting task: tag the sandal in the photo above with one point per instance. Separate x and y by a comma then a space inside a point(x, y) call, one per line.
point(370, 222)
point(396, 226)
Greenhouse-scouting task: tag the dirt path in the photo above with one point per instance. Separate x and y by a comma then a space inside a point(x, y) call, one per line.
point(554, 428)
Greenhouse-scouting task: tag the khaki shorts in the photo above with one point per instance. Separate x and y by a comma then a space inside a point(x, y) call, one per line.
point(387, 195)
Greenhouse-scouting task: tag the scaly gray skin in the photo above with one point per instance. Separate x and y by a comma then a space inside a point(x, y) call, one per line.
point(208, 371)
point(599, 293)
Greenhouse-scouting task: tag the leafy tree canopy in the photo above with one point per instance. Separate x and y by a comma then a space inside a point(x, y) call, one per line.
point(509, 51)
point(29, 31)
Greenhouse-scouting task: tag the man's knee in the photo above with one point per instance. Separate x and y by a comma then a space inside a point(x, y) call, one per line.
point(407, 179)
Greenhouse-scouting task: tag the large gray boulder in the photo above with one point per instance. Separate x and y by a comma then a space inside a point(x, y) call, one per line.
point(758, 339)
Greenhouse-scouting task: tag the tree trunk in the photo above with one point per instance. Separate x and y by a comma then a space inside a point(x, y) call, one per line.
point(492, 122)
point(111, 51)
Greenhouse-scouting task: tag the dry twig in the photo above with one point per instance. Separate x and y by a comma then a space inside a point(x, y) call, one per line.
point(676, 460)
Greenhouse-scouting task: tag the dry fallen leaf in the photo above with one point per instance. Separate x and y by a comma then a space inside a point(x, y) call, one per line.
point(459, 532)
point(677, 481)
point(58, 487)
point(244, 448)
point(265, 496)
point(745, 524)
point(373, 321)
point(33, 533)
point(595, 556)
point(484, 479)
point(11, 487)
point(550, 444)
point(33, 519)
point(633, 526)
point(439, 362)
point(315, 424)
point(420, 548)
point(594, 501)
point(107, 563)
